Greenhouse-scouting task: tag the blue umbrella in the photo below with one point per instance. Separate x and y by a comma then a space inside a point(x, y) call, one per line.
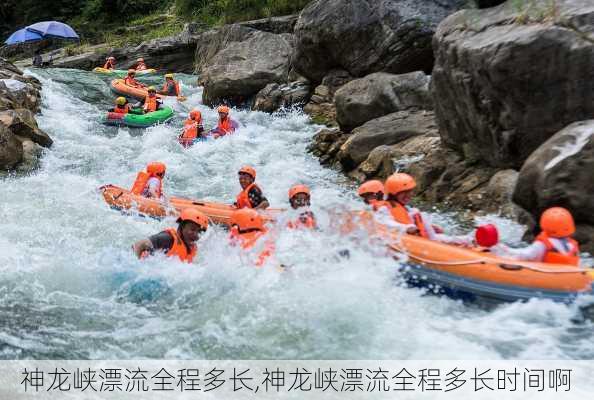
point(53, 29)
point(22, 36)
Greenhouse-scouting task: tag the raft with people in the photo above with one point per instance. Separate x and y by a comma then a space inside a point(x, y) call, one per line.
point(136, 118)
point(121, 72)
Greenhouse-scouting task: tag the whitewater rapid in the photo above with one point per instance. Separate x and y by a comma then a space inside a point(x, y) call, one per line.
point(69, 284)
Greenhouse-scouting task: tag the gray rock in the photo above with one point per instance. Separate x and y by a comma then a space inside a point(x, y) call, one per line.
point(278, 25)
point(11, 149)
point(22, 122)
point(274, 96)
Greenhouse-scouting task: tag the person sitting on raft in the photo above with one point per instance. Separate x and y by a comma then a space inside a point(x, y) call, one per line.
point(554, 244)
point(170, 87)
point(193, 129)
point(251, 195)
point(225, 125)
point(121, 106)
point(372, 193)
point(129, 80)
point(110, 63)
point(151, 102)
point(299, 198)
point(180, 242)
point(150, 183)
point(247, 227)
point(140, 65)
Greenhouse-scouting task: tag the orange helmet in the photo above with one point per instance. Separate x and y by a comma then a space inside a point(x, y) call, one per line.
point(189, 214)
point(399, 182)
point(195, 114)
point(246, 169)
point(131, 71)
point(247, 218)
point(373, 186)
point(557, 222)
point(298, 189)
point(223, 109)
point(156, 168)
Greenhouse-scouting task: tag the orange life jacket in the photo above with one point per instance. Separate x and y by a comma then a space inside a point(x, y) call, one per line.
point(179, 248)
point(108, 65)
point(248, 240)
point(401, 215)
point(141, 184)
point(128, 80)
point(243, 198)
point(378, 204)
point(225, 126)
point(554, 256)
point(175, 85)
point(150, 104)
point(305, 220)
point(140, 66)
point(122, 109)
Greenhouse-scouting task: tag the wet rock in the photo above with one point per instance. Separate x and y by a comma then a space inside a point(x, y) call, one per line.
point(275, 96)
point(31, 155)
point(378, 164)
point(22, 122)
point(14, 93)
point(321, 106)
point(325, 144)
point(278, 25)
point(11, 149)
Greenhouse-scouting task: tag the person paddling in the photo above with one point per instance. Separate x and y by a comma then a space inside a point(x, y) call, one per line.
point(251, 195)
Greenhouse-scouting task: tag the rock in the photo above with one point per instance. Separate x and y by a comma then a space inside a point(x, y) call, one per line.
point(22, 122)
point(31, 154)
point(275, 96)
point(14, 93)
point(380, 94)
point(325, 144)
point(242, 69)
point(211, 42)
point(278, 25)
point(387, 130)
point(378, 164)
point(365, 36)
point(488, 3)
point(11, 149)
point(507, 78)
point(559, 173)
point(321, 113)
point(321, 106)
point(499, 192)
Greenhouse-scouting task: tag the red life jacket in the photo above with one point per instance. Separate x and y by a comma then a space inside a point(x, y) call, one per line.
point(122, 109)
point(150, 104)
point(248, 240)
point(401, 215)
point(140, 186)
point(166, 90)
point(243, 198)
point(378, 204)
point(554, 256)
point(305, 220)
point(226, 126)
point(179, 248)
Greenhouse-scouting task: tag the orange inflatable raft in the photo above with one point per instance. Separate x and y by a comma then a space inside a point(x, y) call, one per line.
point(122, 199)
point(120, 88)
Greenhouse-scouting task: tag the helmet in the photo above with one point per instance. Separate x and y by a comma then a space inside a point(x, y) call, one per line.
point(121, 101)
point(486, 235)
point(196, 115)
point(399, 182)
point(168, 76)
point(373, 186)
point(156, 168)
point(223, 109)
point(140, 60)
point(151, 89)
point(247, 218)
point(131, 71)
point(246, 169)
point(189, 214)
point(298, 189)
point(111, 58)
point(557, 222)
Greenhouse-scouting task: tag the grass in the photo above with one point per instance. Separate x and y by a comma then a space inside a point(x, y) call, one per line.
point(535, 11)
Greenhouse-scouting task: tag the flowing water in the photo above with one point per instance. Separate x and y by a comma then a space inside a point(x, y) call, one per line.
point(70, 287)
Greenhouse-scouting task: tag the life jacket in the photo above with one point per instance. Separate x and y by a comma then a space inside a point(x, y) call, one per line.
point(243, 198)
point(378, 204)
point(190, 131)
point(179, 248)
point(108, 65)
point(121, 109)
point(225, 127)
point(401, 215)
point(140, 66)
point(305, 220)
point(555, 256)
point(128, 80)
point(168, 86)
point(150, 104)
point(247, 240)
point(140, 186)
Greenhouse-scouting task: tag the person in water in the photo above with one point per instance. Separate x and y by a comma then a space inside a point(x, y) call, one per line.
point(151, 102)
point(110, 63)
point(130, 80)
point(176, 242)
point(372, 193)
point(121, 106)
point(140, 65)
point(251, 195)
point(193, 129)
point(247, 227)
point(170, 87)
point(150, 183)
point(300, 199)
point(554, 244)
point(226, 125)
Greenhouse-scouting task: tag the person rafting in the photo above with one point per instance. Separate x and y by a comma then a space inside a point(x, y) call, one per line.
point(131, 81)
point(140, 65)
point(251, 195)
point(151, 101)
point(554, 244)
point(110, 63)
point(150, 183)
point(121, 106)
point(226, 125)
point(372, 193)
point(176, 242)
point(299, 198)
point(247, 228)
point(193, 129)
point(170, 87)
point(399, 188)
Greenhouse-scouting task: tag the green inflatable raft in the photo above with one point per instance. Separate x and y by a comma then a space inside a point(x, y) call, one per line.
point(136, 119)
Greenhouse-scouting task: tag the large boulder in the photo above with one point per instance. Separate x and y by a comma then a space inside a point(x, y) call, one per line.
point(22, 122)
point(507, 78)
point(379, 94)
point(559, 173)
point(321, 106)
point(15, 92)
point(275, 96)
point(11, 149)
point(365, 36)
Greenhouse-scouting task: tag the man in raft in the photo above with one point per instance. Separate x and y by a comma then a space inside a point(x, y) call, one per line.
point(130, 80)
point(193, 129)
point(226, 125)
point(170, 87)
point(554, 244)
point(110, 63)
point(251, 195)
point(121, 106)
point(180, 242)
point(140, 65)
point(151, 102)
point(149, 184)
point(299, 198)
point(247, 228)
point(372, 193)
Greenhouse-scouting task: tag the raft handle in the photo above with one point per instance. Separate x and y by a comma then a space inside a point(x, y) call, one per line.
point(510, 267)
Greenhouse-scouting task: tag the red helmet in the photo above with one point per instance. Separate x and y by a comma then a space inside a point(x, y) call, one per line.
point(189, 214)
point(156, 168)
point(486, 235)
point(298, 189)
point(373, 186)
point(399, 182)
point(223, 109)
point(246, 169)
point(246, 219)
point(196, 115)
point(557, 222)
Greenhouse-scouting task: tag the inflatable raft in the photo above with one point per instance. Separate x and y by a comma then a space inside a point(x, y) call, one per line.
point(122, 199)
point(136, 119)
point(122, 73)
point(120, 88)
